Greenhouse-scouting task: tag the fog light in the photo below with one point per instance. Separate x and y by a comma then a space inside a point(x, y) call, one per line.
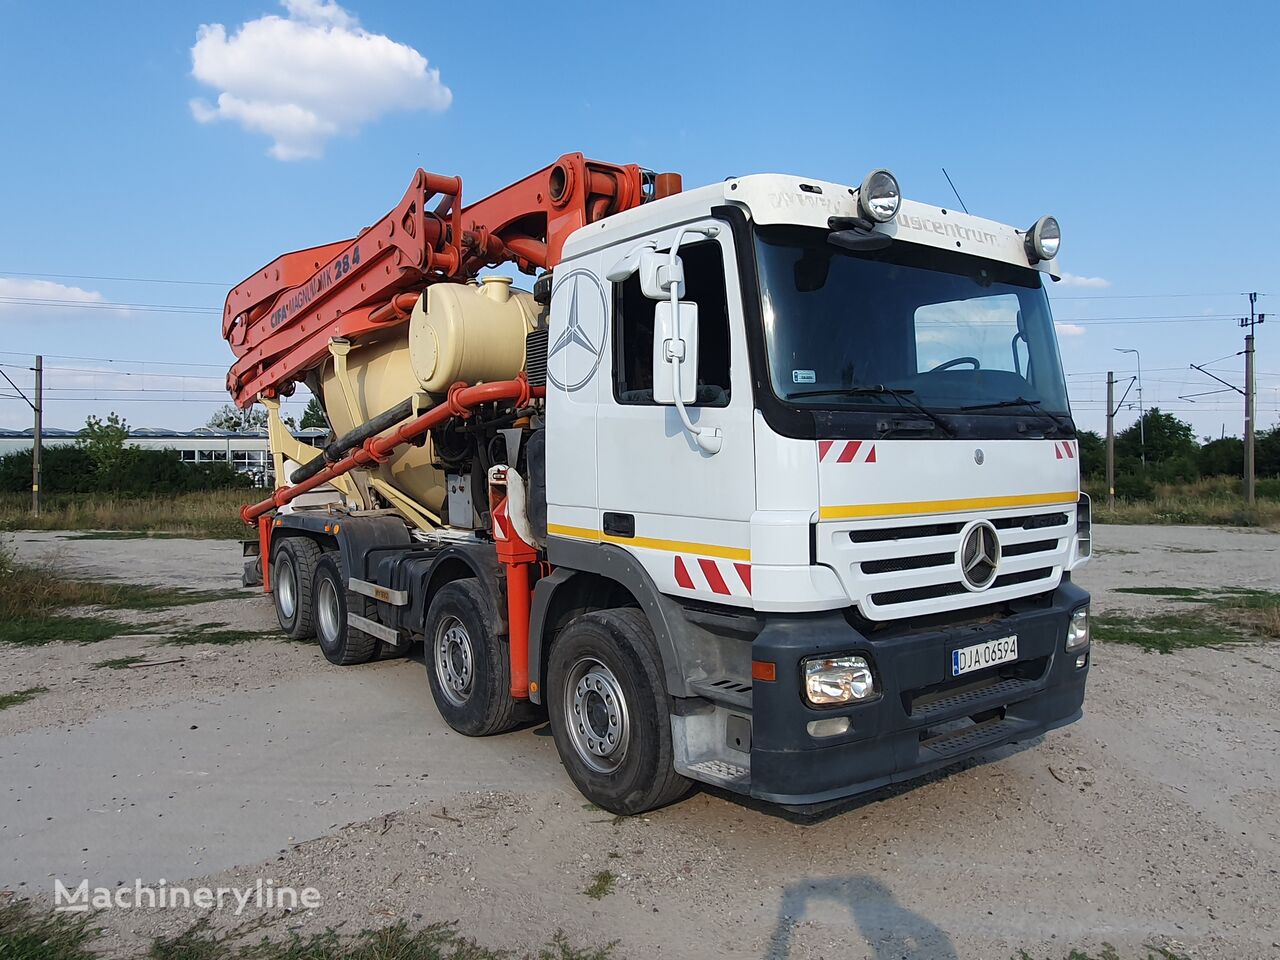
point(1081, 661)
point(830, 727)
point(1078, 630)
point(878, 197)
point(829, 680)
point(1043, 240)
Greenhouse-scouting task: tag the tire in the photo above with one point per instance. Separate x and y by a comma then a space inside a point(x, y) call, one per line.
point(468, 666)
point(610, 713)
point(293, 570)
point(342, 645)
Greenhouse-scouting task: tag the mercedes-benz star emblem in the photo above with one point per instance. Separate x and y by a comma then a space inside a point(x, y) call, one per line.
point(581, 344)
point(979, 555)
point(978, 456)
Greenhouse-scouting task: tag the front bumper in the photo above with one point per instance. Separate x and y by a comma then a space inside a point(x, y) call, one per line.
point(924, 718)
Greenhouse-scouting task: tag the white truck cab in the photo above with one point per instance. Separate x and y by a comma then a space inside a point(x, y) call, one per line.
point(872, 457)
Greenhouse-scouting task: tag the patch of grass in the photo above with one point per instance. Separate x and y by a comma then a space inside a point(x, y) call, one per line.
point(39, 630)
point(1186, 592)
point(19, 697)
point(601, 885)
point(27, 934)
point(1109, 953)
point(119, 663)
point(217, 633)
point(33, 599)
point(1228, 615)
point(211, 515)
point(1164, 633)
point(124, 535)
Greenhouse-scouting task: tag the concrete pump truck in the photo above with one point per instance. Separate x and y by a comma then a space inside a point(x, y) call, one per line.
point(771, 484)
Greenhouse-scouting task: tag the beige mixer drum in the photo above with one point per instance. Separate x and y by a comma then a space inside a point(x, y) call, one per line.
point(469, 333)
point(380, 377)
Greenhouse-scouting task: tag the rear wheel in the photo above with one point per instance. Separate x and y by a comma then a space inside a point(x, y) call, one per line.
point(610, 713)
point(341, 643)
point(293, 570)
point(468, 666)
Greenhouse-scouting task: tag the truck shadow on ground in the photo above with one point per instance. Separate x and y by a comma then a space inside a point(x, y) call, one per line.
point(891, 930)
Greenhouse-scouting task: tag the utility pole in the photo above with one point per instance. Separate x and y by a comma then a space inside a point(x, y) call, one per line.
point(1142, 410)
point(1250, 392)
point(1111, 439)
point(37, 441)
point(36, 407)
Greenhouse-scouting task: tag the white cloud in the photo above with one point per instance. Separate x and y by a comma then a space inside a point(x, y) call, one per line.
point(21, 298)
point(1073, 280)
point(308, 77)
point(1069, 329)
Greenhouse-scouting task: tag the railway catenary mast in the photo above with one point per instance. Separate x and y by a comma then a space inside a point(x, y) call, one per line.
point(770, 484)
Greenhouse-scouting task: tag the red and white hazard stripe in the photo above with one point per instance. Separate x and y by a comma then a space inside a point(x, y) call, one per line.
point(725, 578)
point(1065, 449)
point(846, 451)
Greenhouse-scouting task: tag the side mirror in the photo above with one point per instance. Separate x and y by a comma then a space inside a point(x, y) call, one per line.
point(656, 272)
point(658, 276)
point(666, 347)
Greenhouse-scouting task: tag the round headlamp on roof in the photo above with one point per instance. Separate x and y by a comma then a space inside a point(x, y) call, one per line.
point(879, 197)
point(1043, 240)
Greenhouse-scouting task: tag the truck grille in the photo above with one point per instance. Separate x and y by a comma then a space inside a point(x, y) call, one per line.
point(897, 568)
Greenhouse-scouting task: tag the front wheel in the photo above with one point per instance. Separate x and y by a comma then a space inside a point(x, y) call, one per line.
point(610, 713)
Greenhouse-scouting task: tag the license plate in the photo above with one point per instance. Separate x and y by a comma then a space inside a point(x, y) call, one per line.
point(981, 655)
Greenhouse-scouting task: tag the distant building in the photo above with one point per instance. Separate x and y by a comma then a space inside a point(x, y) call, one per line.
point(247, 451)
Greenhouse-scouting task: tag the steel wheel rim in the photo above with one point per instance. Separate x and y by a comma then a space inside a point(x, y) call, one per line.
point(454, 661)
point(328, 612)
point(596, 715)
point(286, 588)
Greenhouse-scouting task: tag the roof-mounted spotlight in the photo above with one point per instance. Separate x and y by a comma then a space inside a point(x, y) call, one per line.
point(1043, 240)
point(879, 197)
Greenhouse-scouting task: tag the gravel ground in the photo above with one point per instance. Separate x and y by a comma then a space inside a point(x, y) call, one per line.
point(1155, 819)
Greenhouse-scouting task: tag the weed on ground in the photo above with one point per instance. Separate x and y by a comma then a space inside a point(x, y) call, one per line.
point(34, 599)
point(1228, 615)
point(601, 885)
point(27, 934)
point(1109, 952)
point(18, 697)
point(217, 633)
point(119, 663)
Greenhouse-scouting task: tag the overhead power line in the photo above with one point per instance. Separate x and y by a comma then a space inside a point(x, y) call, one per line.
point(80, 276)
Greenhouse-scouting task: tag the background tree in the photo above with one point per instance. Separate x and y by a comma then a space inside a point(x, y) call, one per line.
point(104, 440)
point(1170, 448)
point(1093, 454)
point(314, 416)
point(1222, 458)
point(248, 420)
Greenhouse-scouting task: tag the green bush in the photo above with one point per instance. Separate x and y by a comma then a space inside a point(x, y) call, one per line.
point(134, 471)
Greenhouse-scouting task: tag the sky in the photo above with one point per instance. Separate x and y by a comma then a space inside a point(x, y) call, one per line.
point(193, 142)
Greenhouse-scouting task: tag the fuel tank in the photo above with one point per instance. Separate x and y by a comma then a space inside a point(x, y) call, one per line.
point(457, 332)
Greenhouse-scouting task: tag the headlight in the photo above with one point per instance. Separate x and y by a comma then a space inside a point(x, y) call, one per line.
point(1043, 240)
point(878, 197)
point(1078, 629)
point(829, 680)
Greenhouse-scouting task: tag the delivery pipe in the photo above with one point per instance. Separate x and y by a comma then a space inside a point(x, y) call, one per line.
point(334, 451)
point(459, 403)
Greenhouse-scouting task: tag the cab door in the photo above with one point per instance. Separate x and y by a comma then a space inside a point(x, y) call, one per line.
point(683, 512)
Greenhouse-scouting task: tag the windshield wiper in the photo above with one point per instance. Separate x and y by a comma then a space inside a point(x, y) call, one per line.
point(902, 394)
point(1036, 406)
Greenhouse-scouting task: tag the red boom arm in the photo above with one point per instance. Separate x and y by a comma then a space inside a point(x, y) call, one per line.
point(280, 320)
